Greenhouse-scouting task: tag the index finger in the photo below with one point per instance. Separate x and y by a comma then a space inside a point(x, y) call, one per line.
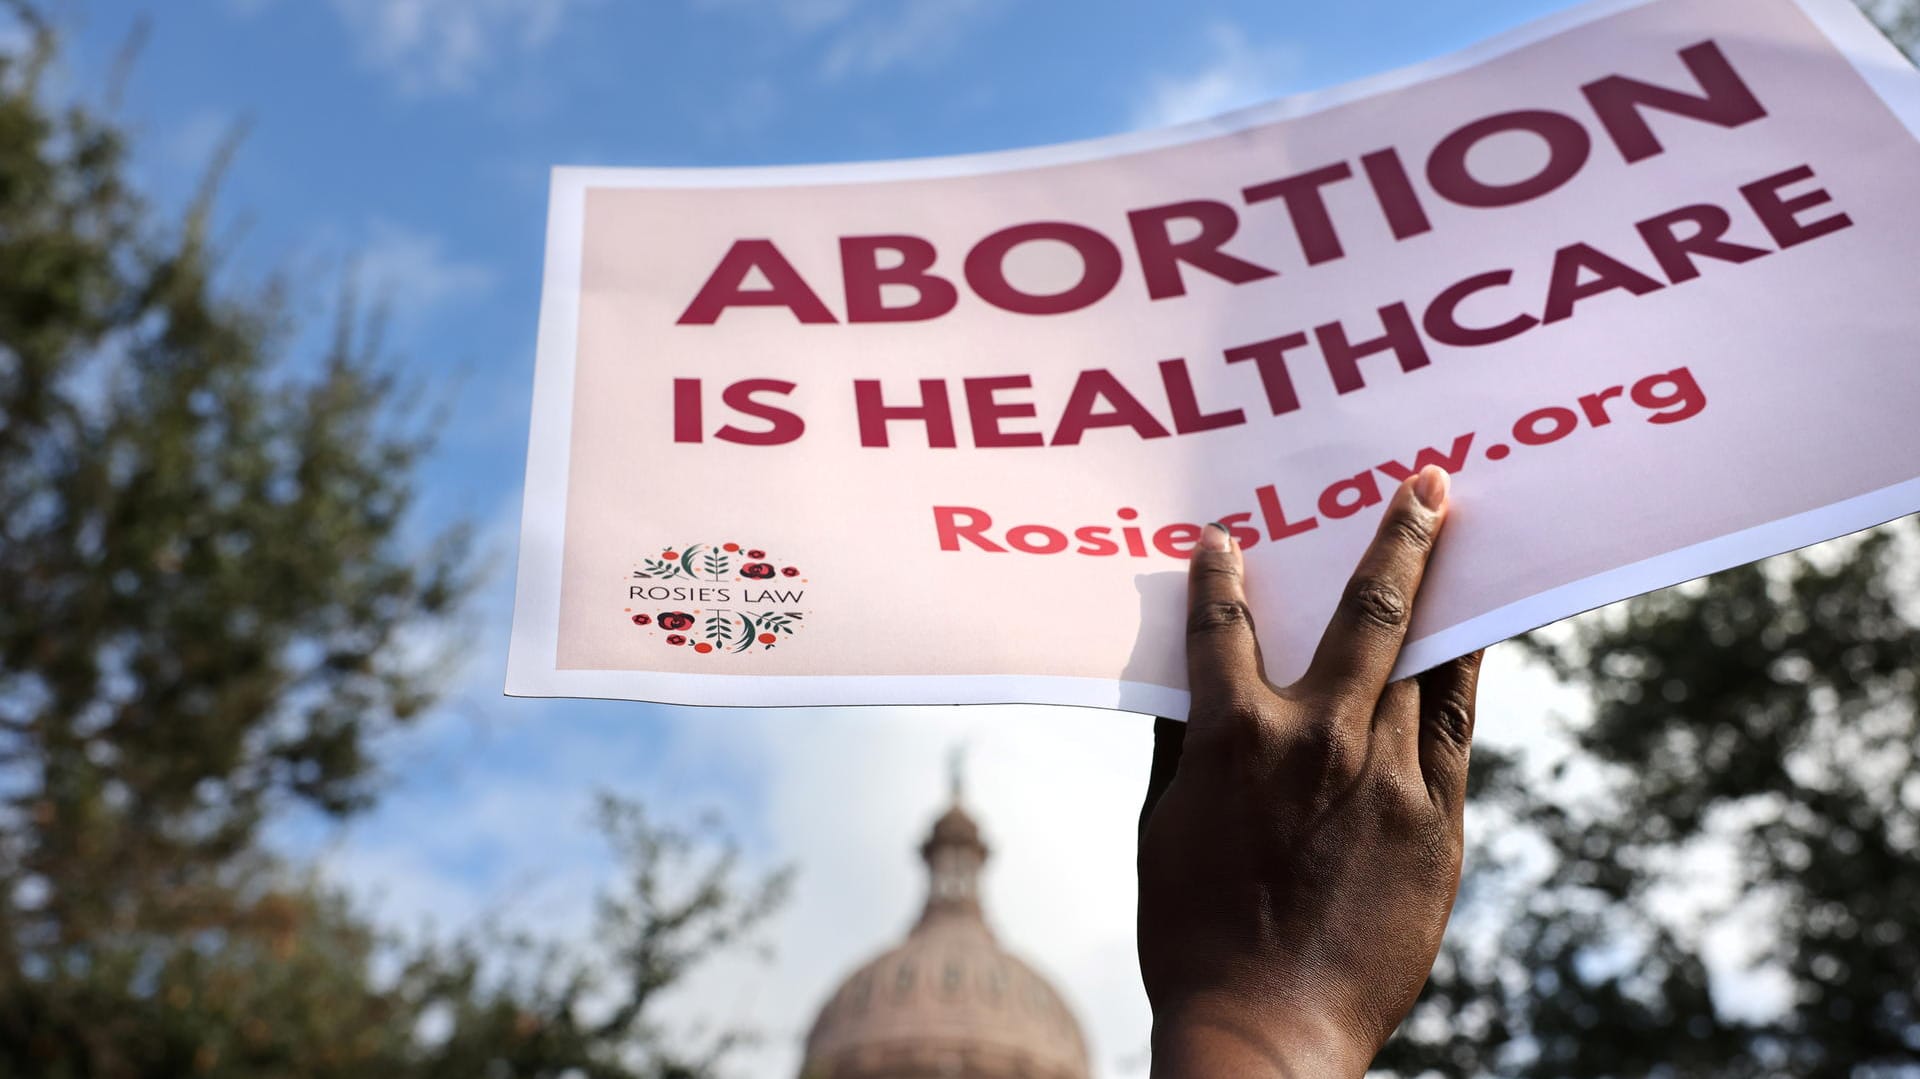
point(1363, 640)
point(1223, 659)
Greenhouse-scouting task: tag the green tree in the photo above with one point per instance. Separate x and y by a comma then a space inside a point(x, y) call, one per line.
point(1764, 722)
point(288, 982)
point(210, 610)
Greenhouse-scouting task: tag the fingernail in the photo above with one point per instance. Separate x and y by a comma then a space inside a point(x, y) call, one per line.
point(1215, 537)
point(1430, 487)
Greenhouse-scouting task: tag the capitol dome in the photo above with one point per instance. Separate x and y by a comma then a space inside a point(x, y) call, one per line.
point(948, 1002)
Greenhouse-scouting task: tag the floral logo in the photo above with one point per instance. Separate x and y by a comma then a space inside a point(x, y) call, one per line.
point(714, 598)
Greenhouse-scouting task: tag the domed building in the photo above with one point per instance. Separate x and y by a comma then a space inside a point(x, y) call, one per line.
point(948, 1002)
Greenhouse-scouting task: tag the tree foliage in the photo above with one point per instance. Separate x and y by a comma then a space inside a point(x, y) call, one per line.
point(1899, 19)
point(1744, 789)
point(292, 982)
point(213, 602)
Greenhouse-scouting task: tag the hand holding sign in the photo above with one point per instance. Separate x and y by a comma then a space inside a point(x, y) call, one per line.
point(1299, 862)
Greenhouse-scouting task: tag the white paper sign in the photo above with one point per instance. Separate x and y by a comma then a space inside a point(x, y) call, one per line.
point(1642, 276)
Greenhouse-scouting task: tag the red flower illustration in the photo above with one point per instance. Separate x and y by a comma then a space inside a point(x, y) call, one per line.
point(758, 571)
point(676, 620)
point(729, 547)
point(756, 554)
point(676, 639)
point(703, 648)
point(641, 620)
point(669, 555)
point(767, 638)
point(790, 571)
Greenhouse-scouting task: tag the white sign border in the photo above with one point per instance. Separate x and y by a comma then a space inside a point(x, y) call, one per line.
point(531, 656)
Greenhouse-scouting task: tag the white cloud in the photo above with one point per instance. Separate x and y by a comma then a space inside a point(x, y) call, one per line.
point(870, 37)
point(411, 273)
point(443, 46)
point(800, 14)
point(1237, 73)
point(899, 33)
point(543, 862)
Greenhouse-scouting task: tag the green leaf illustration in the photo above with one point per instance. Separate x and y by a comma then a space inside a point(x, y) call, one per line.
point(778, 622)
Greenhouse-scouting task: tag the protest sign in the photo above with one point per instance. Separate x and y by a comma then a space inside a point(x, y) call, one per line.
point(945, 431)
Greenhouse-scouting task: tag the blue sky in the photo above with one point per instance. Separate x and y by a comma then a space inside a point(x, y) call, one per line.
point(411, 139)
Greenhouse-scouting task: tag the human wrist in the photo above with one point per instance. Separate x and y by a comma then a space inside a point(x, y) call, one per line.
point(1214, 1037)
